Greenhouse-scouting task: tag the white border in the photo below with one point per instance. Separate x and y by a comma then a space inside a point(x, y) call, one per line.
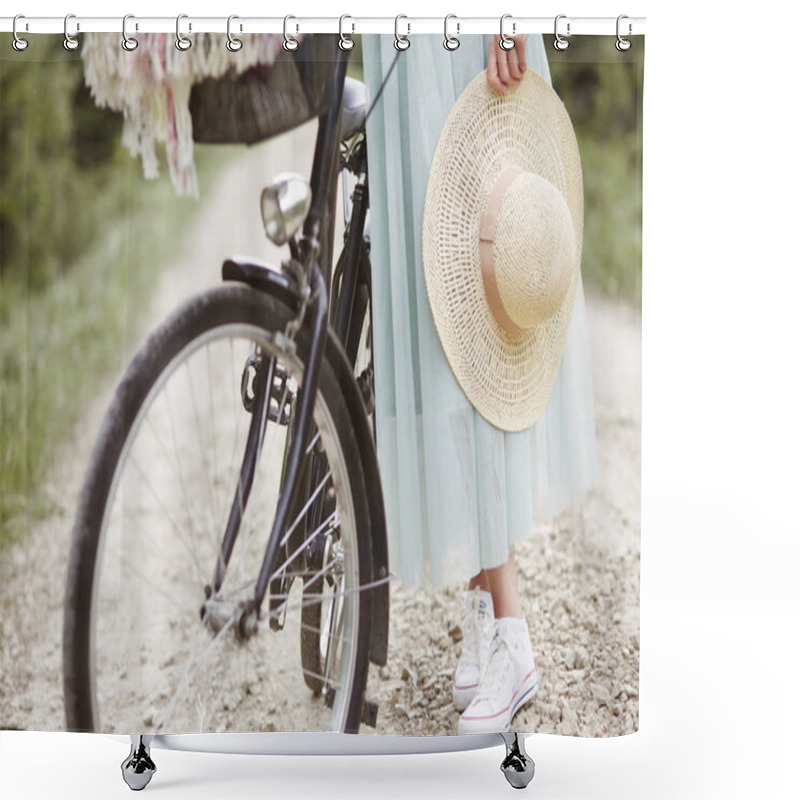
point(720, 699)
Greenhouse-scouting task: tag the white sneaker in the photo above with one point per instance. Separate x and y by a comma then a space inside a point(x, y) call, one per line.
point(478, 631)
point(509, 680)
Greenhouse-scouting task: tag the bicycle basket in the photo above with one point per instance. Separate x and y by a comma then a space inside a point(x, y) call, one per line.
point(266, 100)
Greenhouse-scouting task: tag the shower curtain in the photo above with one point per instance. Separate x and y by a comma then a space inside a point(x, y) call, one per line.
point(127, 179)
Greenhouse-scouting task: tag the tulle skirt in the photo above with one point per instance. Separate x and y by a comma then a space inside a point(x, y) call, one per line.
point(459, 492)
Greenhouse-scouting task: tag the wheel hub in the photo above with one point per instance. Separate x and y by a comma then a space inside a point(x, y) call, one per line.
point(220, 615)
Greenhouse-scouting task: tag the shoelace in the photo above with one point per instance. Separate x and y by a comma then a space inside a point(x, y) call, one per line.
point(494, 677)
point(476, 626)
point(480, 620)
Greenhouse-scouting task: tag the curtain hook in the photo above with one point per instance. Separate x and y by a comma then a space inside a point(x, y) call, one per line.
point(70, 42)
point(623, 44)
point(129, 43)
point(401, 42)
point(233, 44)
point(560, 42)
point(289, 42)
point(451, 42)
point(506, 42)
point(345, 42)
point(19, 44)
point(182, 42)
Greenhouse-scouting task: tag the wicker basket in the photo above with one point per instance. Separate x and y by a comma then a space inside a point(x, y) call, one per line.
point(265, 101)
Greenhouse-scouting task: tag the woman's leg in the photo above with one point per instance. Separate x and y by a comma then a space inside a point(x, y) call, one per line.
point(509, 679)
point(480, 580)
point(502, 582)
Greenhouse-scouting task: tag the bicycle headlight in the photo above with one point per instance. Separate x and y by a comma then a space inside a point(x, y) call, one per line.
point(284, 205)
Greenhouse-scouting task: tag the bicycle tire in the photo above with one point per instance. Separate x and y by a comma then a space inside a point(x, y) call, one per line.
point(316, 615)
point(89, 627)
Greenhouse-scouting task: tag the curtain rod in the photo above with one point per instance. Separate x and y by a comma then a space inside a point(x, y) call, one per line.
point(567, 26)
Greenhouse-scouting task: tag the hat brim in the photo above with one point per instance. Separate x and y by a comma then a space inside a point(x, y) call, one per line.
point(508, 379)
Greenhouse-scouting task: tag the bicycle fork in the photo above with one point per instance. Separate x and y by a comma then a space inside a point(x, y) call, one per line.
point(244, 615)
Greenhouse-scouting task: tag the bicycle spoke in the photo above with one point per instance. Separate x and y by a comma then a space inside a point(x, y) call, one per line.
point(305, 508)
point(177, 451)
point(320, 596)
point(312, 443)
point(128, 566)
point(176, 471)
point(203, 448)
point(309, 539)
point(212, 420)
point(170, 519)
point(196, 659)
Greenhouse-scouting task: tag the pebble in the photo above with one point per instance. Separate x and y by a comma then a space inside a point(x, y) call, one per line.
point(569, 722)
point(455, 633)
point(409, 676)
point(581, 658)
point(601, 694)
point(566, 728)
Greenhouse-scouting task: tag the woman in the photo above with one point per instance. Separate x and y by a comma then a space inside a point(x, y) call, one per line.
point(459, 492)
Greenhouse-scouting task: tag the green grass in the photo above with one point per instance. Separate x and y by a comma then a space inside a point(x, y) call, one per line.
point(602, 91)
point(612, 239)
point(59, 343)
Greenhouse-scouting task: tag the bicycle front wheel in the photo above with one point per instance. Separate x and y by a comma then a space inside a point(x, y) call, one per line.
point(141, 653)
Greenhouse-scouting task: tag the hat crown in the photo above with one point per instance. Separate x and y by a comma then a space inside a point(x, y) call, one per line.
point(534, 250)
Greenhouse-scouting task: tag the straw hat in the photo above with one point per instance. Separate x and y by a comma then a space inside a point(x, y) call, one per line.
point(501, 245)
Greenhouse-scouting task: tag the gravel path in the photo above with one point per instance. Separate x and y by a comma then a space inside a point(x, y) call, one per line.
point(579, 574)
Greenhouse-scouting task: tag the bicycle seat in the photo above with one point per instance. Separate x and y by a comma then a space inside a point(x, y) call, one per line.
point(354, 106)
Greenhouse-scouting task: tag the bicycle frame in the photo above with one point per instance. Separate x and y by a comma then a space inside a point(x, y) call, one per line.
point(313, 253)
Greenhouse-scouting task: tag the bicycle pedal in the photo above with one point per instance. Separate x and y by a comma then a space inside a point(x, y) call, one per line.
point(281, 397)
point(364, 382)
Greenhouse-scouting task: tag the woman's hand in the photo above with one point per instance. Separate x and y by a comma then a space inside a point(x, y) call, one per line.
point(505, 68)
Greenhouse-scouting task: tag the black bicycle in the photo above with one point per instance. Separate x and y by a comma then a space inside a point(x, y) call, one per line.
point(229, 564)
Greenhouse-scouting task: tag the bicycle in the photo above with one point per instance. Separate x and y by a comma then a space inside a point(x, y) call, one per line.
point(254, 396)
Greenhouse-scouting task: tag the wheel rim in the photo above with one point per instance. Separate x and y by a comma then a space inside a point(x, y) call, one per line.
point(155, 666)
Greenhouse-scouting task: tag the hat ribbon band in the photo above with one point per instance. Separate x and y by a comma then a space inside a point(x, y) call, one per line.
point(486, 237)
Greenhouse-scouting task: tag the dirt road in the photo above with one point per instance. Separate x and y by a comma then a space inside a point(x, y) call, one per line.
point(580, 574)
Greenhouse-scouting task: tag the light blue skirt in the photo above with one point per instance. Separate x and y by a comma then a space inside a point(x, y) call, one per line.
point(459, 492)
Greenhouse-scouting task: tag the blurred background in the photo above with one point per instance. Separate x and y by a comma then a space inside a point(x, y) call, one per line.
point(74, 207)
point(602, 90)
point(75, 213)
